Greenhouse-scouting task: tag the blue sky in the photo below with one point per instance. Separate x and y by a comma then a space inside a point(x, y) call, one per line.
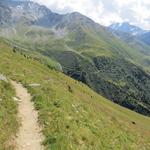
point(106, 12)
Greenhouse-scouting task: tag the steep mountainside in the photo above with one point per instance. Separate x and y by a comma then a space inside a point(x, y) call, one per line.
point(71, 114)
point(145, 38)
point(136, 32)
point(85, 50)
point(5, 16)
point(132, 34)
point(136, 42)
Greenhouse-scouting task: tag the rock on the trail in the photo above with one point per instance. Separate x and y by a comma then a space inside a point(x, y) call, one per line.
point(3, 78)
point(34, 85)
point(16, 99)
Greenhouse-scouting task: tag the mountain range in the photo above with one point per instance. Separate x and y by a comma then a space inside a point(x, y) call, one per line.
point(114, 61)
point(126, 27)
point(132, 30)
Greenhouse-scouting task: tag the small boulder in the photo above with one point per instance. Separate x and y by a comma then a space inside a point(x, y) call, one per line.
point(70, 89)
point(3, 78)
point(133, 123)
point(16, 99)
point(34, 85)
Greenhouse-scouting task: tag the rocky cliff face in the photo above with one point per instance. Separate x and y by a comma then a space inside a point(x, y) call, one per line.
point(27, 12)
point(35, 14)
point(5, 16)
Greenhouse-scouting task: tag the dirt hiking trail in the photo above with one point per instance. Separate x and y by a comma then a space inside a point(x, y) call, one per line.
point(29, 136)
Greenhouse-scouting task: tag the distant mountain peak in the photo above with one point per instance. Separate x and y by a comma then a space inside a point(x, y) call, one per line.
point(127, 28)
point(21, 0)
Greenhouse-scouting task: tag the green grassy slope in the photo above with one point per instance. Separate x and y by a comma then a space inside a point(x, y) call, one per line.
point(8, 115)
point(135, 44)
point(71, 114)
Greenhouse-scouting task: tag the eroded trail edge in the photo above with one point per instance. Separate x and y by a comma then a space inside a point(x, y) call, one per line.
point(29, 136)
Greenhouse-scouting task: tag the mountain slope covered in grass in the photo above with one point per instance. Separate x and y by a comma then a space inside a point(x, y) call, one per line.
point(136, 37)
point(145, 38)
point(71, 114)
point(8, 115)
point(132, 30)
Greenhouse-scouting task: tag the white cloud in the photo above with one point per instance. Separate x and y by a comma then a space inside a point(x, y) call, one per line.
point(110, 18)
point(106, 11)
point(123, 3)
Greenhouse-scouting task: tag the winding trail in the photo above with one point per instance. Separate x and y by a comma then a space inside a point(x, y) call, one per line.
point(29, 136)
